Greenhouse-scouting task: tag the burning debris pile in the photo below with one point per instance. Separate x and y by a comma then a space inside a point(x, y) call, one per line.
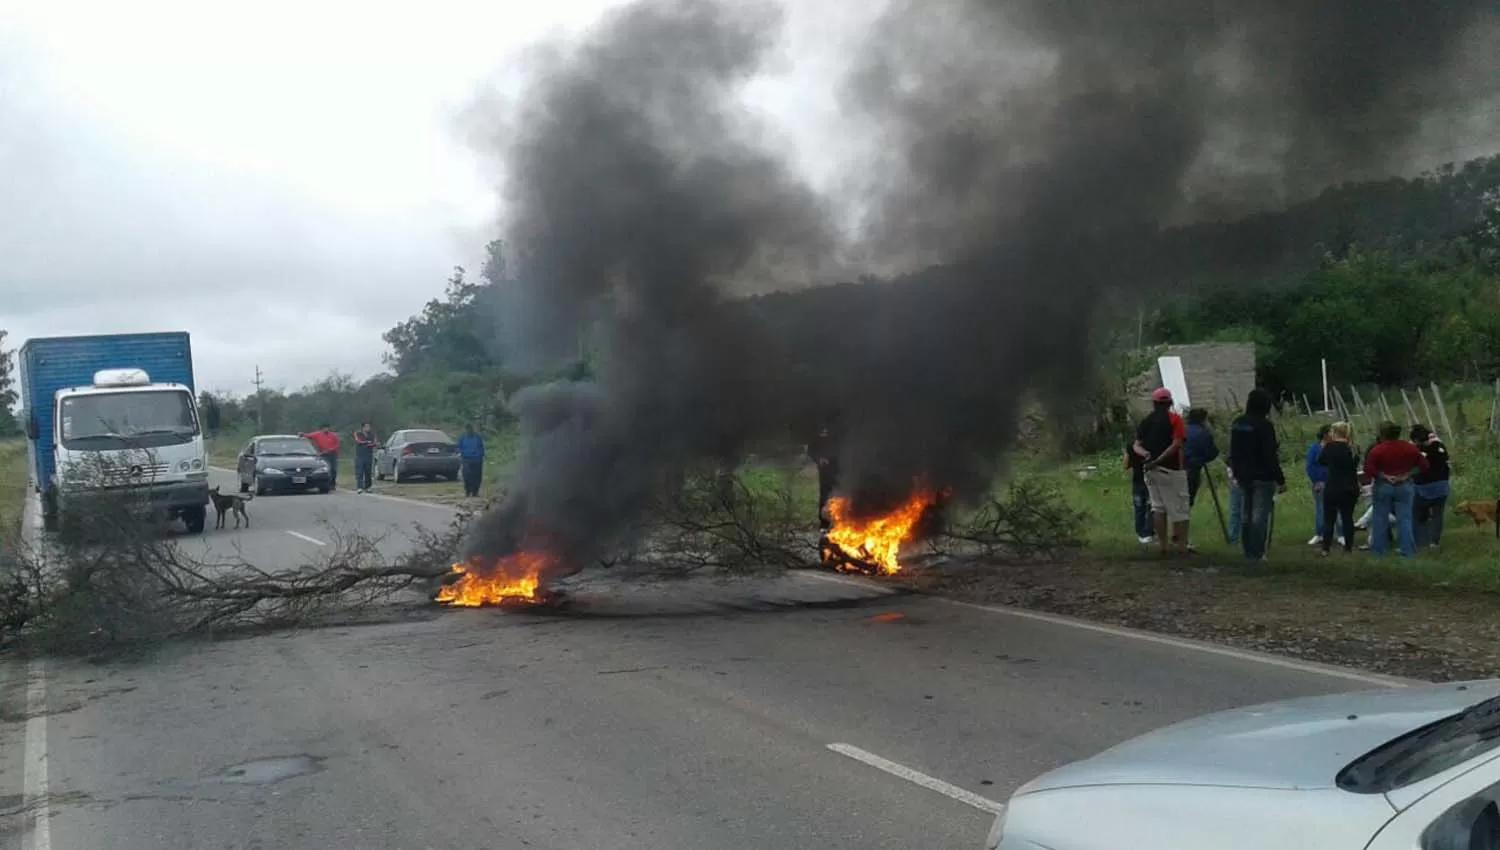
point(872, 545)
point(1025, 156)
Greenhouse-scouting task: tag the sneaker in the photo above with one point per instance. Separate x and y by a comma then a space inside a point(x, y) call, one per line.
point(1317, 540)
point(1146, 541)
point(1341, 540)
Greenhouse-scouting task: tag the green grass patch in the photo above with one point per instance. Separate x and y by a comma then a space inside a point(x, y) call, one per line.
point(14, 480)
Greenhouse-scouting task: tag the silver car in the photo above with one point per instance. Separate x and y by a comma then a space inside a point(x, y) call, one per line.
point(1411, 768)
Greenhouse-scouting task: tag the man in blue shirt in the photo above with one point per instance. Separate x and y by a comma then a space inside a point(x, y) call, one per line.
point(471, 449)
point(1317, 475)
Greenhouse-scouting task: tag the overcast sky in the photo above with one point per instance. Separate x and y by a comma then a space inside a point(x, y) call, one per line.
point(285, 183)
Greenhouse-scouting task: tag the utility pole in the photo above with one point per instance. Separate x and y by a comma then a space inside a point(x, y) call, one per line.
point(260, 402)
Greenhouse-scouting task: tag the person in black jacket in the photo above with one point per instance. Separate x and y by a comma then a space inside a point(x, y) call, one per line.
point(823, 450)
point(1255, 461)
point(1341, 486)
point(1432, 487)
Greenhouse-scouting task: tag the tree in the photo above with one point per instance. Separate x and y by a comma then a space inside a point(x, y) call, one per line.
point(447, 335)
point(8, 425)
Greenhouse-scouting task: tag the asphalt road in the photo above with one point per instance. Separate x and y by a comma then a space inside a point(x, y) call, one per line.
point(897, 722)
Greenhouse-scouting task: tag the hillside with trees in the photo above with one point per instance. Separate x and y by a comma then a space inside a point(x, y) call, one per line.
point(1394, 282)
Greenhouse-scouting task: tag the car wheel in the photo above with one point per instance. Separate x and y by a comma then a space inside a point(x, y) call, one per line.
point(244, 485)
point(260, 489)
point(323, 488)
point(398, 474)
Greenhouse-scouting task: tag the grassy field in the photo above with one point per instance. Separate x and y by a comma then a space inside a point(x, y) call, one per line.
point(13, 483)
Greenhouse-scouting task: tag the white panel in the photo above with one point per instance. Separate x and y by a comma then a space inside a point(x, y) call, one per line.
point(1173, 379)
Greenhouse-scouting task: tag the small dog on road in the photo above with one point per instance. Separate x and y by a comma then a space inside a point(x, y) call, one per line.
point(1481, 512)
point(226, 502)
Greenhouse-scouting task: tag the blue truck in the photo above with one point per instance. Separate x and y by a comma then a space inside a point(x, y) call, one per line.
point(114, 414)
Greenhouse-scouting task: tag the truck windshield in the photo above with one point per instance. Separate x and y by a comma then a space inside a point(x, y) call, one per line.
point(127, 420)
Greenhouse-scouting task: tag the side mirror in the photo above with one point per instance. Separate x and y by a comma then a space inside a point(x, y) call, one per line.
point(33, 430)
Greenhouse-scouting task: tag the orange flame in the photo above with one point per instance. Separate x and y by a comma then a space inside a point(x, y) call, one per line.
point(875, 541)
point(515, 578)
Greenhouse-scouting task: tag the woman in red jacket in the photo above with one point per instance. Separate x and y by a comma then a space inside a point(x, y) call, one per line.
point(1390, 466)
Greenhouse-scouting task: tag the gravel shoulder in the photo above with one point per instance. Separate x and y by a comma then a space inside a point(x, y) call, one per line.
point(1425, 634)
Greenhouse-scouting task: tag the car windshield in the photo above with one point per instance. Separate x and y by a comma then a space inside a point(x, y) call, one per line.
point(1425, 751)
point(285, 446)
point(126, 415)
point(427, 437)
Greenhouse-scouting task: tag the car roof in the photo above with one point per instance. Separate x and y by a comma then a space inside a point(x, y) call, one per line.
point(258, 437)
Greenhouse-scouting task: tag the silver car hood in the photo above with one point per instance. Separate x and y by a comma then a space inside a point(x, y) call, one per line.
point(1298, 744)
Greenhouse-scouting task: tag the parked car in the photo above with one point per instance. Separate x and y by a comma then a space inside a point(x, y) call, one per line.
point(283, 463)
point(1411, 768)
point(417, 452)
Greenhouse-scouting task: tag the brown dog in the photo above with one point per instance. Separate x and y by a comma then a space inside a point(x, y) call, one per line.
point(226, 502)
point(1483, 513)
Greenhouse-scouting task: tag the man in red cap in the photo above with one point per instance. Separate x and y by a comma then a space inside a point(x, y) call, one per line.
point(1159, 442)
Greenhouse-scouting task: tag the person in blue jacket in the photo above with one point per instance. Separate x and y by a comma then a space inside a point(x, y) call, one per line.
point(471, 449)
point(1201, 450)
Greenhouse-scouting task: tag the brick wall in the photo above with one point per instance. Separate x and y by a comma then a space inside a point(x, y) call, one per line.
point(1219, 375)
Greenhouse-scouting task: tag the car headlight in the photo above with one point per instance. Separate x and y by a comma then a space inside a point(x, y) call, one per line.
point(266, 470)
point(997, 832)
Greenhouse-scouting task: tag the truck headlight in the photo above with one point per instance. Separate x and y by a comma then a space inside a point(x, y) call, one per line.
point(197, 463)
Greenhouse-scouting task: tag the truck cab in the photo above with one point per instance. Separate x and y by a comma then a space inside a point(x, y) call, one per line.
point(122, 434)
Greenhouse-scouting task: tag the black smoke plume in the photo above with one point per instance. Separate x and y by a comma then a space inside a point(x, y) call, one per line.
point(1029, 154)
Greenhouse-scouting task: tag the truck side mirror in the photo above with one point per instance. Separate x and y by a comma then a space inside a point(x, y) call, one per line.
point(33, 430)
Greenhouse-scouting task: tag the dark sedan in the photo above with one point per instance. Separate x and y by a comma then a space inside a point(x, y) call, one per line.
point(417, 452)
point(282, 463)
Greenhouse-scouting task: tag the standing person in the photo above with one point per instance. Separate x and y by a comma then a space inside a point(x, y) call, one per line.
point(1254, 455)
point(1340, 465)
point(364, 457)
point(1159, 441)
point(1201, 450)
point(327, 444)
point(1432, 487)
point(1140, 497)
point(471, 450)
point(823, 450)
point(1390, 466)
point(1317, 476)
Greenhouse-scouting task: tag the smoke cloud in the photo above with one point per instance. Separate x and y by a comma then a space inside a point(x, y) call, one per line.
point(1028, 154)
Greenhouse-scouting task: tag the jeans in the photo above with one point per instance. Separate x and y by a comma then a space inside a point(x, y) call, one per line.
point(473, 475)
point(1319, 507)
point(1338, 510)
point(1393, 499)
point(1141, 501)
point(1427, 520)
point(828, 477)
point(364, 465)
point(332, 459)
point(1236, 510)
point(1259, 503)
point(1195, 480)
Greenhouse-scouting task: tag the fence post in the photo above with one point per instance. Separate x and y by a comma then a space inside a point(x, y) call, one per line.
point(1437, 396)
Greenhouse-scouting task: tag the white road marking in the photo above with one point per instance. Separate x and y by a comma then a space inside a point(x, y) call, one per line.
point(916, 777)
point(313, 540)
point(1300, 666)
point(35, 799)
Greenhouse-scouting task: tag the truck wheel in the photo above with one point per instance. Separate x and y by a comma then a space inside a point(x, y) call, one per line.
point(195, 518)
point(50, 522)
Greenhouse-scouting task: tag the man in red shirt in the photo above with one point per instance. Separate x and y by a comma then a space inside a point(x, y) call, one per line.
point(327, 444)
point(1159, 442)
point(1389, 466)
